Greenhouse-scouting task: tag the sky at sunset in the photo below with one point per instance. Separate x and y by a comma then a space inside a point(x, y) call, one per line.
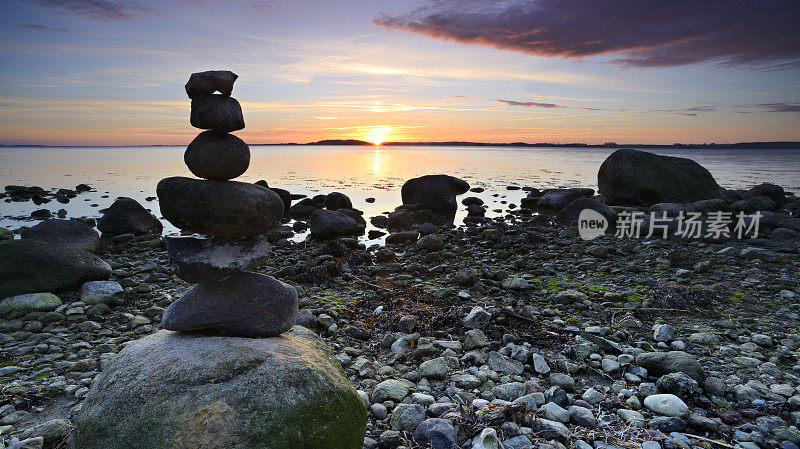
point(107, 72)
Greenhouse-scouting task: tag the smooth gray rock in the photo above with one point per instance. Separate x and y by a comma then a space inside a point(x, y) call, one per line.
point(328, 224)
point(660, 363)
point(554, 200)
point(200, 259)
point(127, 216)
point(101, 292)
point(29, 266)
point(224, 209)
point(67, 233)
point(571, 211)
point(218, 113)
point(434, 192)
point(438, 433)
point(244, 304)
point(630, 177)
point(191, 391)
point(406, 417)
point(666, 405)
point(211, 81)
point(217, 156)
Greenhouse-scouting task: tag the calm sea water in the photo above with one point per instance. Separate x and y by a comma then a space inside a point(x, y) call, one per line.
point(358, 171)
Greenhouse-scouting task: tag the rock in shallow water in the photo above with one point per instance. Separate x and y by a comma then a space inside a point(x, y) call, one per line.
point(245, 304)
point(172, 390)
point(200, 259)
point(435, 192)
point(217, 156)
point(328, 224)
point(224, 209)
point(127, 216)
point(216, 112)
point(28, 266)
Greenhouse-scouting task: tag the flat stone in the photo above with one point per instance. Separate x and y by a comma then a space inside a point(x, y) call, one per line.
point(211, 81)
point(660, 363)
point(666, 405)
point(391, 389)
point(31, 302)
point(101, 292)
point(224, 209)
point(191, 391)
point(200, 259)
point(217, 156)
point(245, 304)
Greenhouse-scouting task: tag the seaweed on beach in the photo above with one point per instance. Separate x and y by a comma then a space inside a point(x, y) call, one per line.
point(682, 299)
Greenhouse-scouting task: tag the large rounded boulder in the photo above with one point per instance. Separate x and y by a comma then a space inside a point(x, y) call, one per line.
point(171, 390)
point(631, 178)
point(224, 209)
point(127, 216)
point(30, 266)
point(435, 192)
point(245, 304)
point(67, 233)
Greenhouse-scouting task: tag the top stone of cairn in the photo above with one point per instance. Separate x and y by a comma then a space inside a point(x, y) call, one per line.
point(211, 81)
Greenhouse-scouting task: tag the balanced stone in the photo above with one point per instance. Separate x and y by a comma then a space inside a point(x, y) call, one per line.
point(200, 259)
point(29, 266)
point(127, 216)
point(217, 113)
point(67, 233)
point(211, 81)
point(245, 304)
point(225, 209)
point(172, 390)
point(217, 156)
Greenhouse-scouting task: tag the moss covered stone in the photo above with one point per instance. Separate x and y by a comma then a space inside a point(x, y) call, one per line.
point(180, 391)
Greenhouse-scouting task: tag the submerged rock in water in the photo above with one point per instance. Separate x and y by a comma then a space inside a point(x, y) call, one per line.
point(127, 216)
point(200, 259)
point(224, 209)
point(217, 156)
point(216, 112)
point(67, 233)
point(434, 192)
point(211, 81)
point(29, 266)
point(630, 177)
point(244, 304)
point(192, 391)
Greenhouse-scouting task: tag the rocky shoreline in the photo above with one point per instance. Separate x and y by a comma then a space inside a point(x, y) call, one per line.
point(510, 329)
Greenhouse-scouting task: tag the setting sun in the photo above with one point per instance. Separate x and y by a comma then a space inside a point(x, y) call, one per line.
point(376, 140)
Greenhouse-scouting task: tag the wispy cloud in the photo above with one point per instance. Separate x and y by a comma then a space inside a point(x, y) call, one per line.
point(103, 10)
point(750, 33)
point(36, 26)
point(779, 107)
point(529, 104)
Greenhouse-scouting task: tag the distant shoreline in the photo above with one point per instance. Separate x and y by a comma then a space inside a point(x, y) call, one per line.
point(780, 145)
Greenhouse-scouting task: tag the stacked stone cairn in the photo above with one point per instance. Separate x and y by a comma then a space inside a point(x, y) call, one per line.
point(233, 216)
point(202, 383)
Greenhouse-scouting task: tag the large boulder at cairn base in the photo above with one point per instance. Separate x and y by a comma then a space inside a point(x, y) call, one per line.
point(217, 156)
point(328, 224)
point(629, 177)
point(29, 266)
point(67, 233)
point(127, 216)
point(181, 391)
point(223, 209)
point(434, 192)
point(217, 113)
point(245, 304)
point(211, 81)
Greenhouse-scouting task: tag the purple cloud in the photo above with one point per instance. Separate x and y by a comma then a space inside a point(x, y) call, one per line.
point(779, 107)
point(103, 10)
point(749, 33)
point(529, 104)
point(36, 26)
